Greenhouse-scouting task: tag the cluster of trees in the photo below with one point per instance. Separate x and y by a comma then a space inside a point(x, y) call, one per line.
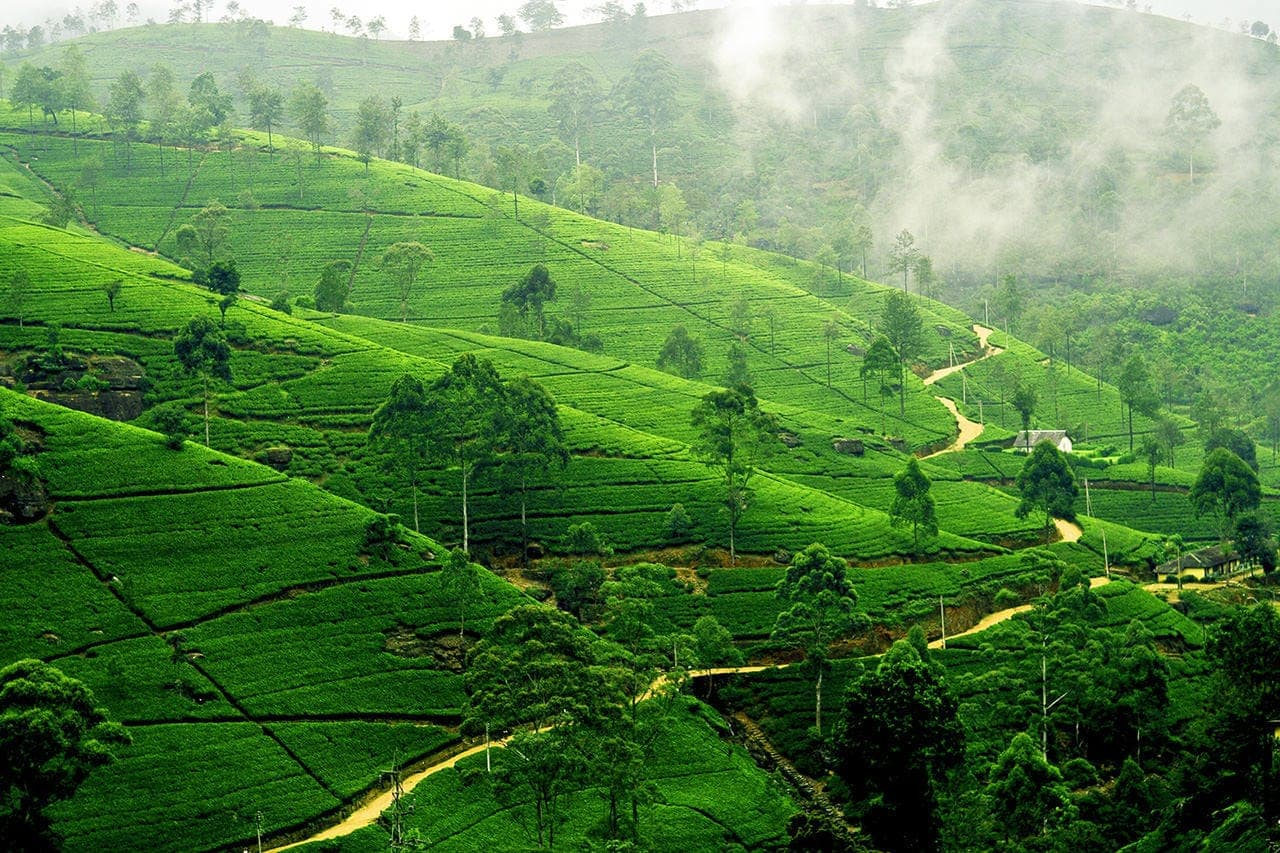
point(470, 419)
point(522, 312)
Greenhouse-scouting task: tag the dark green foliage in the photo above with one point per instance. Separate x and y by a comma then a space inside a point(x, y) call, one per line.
point(222, 277)
point(577, 589)
point(382, 536)
point(912, 503)
point(52, 735)
point(461, 420)
point(399, 431)
point(460, 580)
point(1047, 485)
point(531, 441)
point(334, 286)
point(903, 328)
point(584, 538)
point(678, 525)
point(281, 302)
point(738, 372)
point(733, 436)
point(172, 422)
point(1254, 541)
point(530, 294)
point(201, 349)
point(1027, 794)
point(819, 606)
point(1225, 488)
point(1024, 400)
point(111, 289)
point(681, 354)
point(1234, 440)
point(899, 734)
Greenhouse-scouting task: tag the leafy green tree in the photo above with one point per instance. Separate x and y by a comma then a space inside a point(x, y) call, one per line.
point(575, 98)
point(171, 422)
point(201, 241)
point(1254, 542)
point(903, 255)
point(681, 354)
point(1151, 452)
point(531, 440)
point(819, 605)
point(62, 210)
point(334, 286)
point(463, 410)
point(460, 581)
point(124, 110)
point(899, 734)
point(74, 83)
point(310, 110)
point(52, 736)
point(531, 293)
point(266, 110)
point(403, 261)
point(902, 327)
point(733, 435)
point(648, 92)
point(1008, 302)
point(1225, 488)
point(737, 373)
point(540, 15)
point(1136, 391)
point(1047, 485)
point(1169, 434)
point(912, 503)
point(1027, 793)
point(1235, 440)
point(399, 430)
point(515, 166)
point(201, 348)
point(370, 132)
point(1189, 122)
point(223, 277)
point(210, 106)
point(678, 524)
point(111, 289)
point(162, 94)
point(577, 589)
point(880, 362)
point(1024, 401)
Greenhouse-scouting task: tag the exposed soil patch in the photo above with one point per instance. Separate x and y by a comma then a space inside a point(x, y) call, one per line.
point(448, 650)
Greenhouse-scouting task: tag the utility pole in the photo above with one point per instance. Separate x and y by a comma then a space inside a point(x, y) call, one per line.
point(942, 613)
point(397, 812)
point(258, 820)
point(1045, 705)
point(1106, 561)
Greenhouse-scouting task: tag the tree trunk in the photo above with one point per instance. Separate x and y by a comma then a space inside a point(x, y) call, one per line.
point(206, 411)
point(524, 524)
point(416, 529)
point(817, 706)
point(653, 143)
point(466, 540)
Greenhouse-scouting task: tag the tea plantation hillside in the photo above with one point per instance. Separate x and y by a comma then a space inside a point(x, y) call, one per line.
point(157, 581)
point(293, 394)
point(252, 638)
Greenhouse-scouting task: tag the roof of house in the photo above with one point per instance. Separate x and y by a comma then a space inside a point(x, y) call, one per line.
point(1204, 558)
point(1030, 438)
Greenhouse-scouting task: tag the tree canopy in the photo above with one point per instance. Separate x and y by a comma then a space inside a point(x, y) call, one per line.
point(52, 736)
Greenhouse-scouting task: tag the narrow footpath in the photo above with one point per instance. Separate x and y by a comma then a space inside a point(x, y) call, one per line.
point(967, 430)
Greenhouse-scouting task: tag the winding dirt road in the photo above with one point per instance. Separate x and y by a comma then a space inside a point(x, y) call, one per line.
point(967, 430)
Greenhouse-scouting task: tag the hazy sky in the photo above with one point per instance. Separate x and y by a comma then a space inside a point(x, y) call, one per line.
point(439, 16)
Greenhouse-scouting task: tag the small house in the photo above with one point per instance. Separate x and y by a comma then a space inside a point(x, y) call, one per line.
point(1203, 564)
point(1028, 439)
